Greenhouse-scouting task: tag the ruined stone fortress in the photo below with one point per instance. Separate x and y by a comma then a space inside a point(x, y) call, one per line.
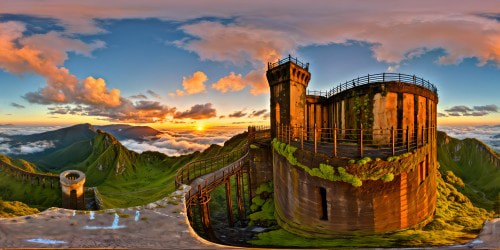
point(358, 158)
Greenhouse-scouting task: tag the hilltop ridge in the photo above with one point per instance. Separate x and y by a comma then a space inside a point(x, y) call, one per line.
point(475, 163)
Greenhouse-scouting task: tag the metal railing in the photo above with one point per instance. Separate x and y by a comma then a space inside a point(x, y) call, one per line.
point(376, 78)
point(295, 60)
point(193, 170)
point(354, 143)
point(214, 179)
point(199, 168)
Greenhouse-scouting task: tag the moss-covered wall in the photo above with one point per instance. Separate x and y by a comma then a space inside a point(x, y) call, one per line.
point(376, 206)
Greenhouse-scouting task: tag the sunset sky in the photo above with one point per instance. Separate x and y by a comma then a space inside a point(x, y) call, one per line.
point(203, 63)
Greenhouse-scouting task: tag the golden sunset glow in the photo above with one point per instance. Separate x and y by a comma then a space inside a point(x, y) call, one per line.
point(200, 127)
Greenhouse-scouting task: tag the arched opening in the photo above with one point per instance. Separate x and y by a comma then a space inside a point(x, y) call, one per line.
point(324, 206)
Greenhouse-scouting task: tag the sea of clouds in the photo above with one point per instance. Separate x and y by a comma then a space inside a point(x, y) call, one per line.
point(11, 148)
point(172, 142)
point(484, 133)
point(175, 142)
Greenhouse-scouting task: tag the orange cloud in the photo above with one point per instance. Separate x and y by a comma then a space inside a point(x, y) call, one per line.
point(94, 91)
point(192, 85)
point(232, 83)
point(42, 54)
point(197, 112)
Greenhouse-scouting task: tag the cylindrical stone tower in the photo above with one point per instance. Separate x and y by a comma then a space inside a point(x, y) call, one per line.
point(72, 189)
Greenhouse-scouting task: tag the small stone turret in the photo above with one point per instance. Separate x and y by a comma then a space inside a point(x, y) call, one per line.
point(72, 189)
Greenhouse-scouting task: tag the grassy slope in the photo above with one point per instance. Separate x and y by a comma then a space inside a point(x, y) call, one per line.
point(15, 208)
point(67, 157)
point(153, 176)
point(468, 160)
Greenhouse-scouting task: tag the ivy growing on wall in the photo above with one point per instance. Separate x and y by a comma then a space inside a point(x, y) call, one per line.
point(324, 171)
point(364, 171)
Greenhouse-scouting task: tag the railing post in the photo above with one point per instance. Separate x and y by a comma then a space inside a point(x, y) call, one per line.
point(335, 140)
point(290, 128)
point(315, 140)
point(408, 138)
point(393, 141)
point(361, 140)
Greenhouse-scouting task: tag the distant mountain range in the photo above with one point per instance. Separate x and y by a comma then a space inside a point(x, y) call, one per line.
point(106, 163)
point(49, 150)
point(128, 132)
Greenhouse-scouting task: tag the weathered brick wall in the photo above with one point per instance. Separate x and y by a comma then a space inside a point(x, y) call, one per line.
point(376, 206)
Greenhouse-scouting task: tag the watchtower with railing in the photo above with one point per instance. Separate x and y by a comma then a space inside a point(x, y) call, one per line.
point(360, 157)
point(288, 79)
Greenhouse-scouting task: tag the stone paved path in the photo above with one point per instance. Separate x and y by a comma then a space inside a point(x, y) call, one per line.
point(159, 225)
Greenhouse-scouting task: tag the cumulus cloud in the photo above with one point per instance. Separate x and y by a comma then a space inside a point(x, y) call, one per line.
point(232, 83)
point(197, 112)
point(254, 34)
point(16, 105)
point(238, 114)
point(43, 54)
point(441, 114)
point(192, 85)
point(141, 111)
point(94, 91)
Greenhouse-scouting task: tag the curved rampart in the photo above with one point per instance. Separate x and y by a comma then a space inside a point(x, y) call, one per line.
point(313, 202)
point(33, 178)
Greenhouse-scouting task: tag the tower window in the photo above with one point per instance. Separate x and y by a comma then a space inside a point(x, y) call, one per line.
point(324, 207)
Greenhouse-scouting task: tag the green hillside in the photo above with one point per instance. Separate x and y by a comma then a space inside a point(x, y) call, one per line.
point(469, 159)
point(15, 208)
point(154, 175)
point(123, 177)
